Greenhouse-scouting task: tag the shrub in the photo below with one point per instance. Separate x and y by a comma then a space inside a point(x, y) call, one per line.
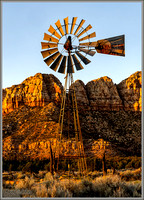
point(48, 177)
point(131, 175)
point(137, 164)
point(59, 190)
point(129, 165)
point(128, 190)
point(20, 175)
point(41, 191)
point(27, 183)
point(105, 186)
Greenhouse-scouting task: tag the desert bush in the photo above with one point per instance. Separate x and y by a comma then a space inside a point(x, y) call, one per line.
point(103, 186)
point(112, 186)
point(127, 189)
point(41, 190)
point(123, 162)
point(137, 164)
point(130, 165)
point(41, 174)
point(56, 189)
point(48, 177)
point(20, 175)
point(108, 186)
point(27, 183)
point(131, 175)
point(59, 190)
point(95, 174)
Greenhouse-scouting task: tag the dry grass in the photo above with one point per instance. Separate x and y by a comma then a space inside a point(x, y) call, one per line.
point(95, 185)
point(27, 183)
point(131, 175)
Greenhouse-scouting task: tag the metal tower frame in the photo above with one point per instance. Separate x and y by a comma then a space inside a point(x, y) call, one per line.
point(82, 165)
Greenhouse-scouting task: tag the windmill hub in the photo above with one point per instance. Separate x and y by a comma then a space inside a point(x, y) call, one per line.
point(67, 44)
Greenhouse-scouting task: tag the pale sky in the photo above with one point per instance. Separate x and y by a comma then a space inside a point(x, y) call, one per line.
point(24, 24)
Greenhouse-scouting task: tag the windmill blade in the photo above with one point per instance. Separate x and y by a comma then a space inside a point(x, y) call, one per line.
point(50, 38)
point(87, 51)
point(84, 59)
point(79, 26)
point(92, 35)
point(90, 44)
point(66, 25)
point(112, 46)
point(73, 24)
point(46, 45)
point(56, 63)
point(85, 30)
point(59, 26)
point(62, 66)
point(77, 63)
point(70, 68)
point(48, 52)
point(54, 32)
point(51, 58)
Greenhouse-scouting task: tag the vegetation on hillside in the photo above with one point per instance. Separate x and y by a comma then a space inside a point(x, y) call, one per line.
point(93, 164)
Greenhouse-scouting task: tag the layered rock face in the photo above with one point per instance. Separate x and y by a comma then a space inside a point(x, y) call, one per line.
point(31, 113)
point(103, 95)
point(81, 93)
point(38, 90)
point(100, 94)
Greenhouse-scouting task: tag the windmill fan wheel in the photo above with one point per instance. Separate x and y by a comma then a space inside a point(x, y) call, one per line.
point(63, 50)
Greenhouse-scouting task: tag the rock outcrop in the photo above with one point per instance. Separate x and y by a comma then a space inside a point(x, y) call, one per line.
point(130, 92)
point(81, 93)
point(106, 111)
point(103, 95)
point(36, 90)
point(100, 94)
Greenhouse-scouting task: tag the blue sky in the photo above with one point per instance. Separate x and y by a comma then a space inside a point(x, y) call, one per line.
point(24, 24)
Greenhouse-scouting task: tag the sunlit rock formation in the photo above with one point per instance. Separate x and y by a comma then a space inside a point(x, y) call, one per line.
point(36, 90)
point(103, 95)
point(107, 111)
point(130, 91)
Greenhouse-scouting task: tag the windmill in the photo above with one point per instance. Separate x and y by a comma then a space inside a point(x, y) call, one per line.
point(66, 49)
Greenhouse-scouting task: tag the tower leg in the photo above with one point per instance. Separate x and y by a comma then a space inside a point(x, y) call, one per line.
point(82, 159)
point(82, 165)
point(61, 118)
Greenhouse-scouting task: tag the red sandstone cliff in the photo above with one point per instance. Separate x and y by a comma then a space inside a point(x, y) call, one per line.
point(100, 94)
point(36, 90)
point(130, 91)
point(31, 111)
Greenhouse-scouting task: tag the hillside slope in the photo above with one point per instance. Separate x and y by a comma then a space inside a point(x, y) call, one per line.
point(108, 113)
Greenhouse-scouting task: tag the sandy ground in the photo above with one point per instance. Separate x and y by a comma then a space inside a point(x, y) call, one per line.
point(16, 193)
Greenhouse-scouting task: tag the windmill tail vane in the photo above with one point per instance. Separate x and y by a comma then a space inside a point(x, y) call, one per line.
point(111, 46)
